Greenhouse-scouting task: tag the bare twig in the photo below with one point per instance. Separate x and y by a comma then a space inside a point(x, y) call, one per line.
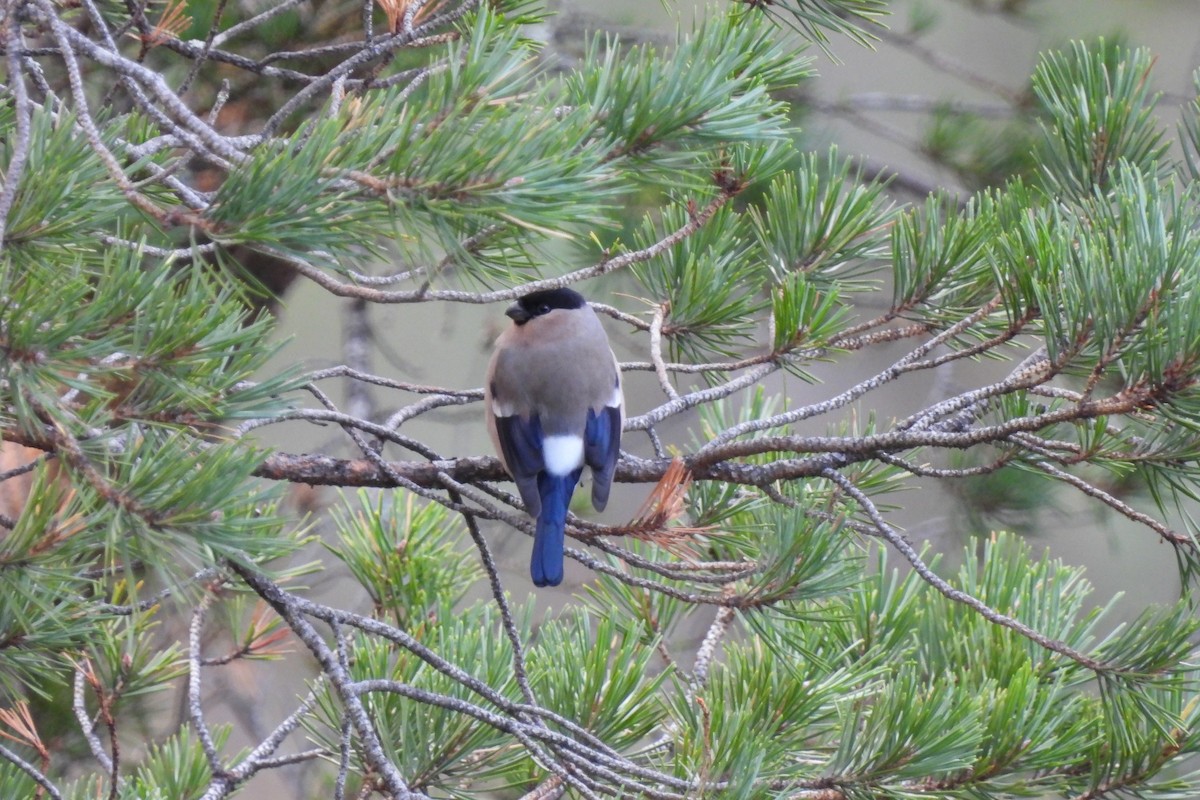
point(33, 772)
point(195, 701)
point(368, 52)
point(207, 49)
point(255, 21)
point(656, 358)
point(262, 757)
point(708, 647)
point(23, 109)
point(1172, 537)
point(71, 41)
point(86, 725)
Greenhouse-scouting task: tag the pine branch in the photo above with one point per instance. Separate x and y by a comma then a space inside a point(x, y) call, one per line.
point(897, 541)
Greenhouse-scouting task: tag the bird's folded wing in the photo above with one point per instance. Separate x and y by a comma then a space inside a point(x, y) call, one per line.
point(601, 448)
point(521, 446)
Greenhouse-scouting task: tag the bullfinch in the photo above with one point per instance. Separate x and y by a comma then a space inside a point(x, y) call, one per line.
point(553, 403)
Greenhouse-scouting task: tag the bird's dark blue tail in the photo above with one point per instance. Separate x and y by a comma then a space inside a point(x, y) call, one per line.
point(546, 563)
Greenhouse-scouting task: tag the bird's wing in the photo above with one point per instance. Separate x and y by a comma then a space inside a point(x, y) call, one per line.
point(602, 445)
point(520, 443)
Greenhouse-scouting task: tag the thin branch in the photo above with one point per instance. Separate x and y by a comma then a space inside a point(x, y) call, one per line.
point(498, 595)
point(293, 610)
point(587, 760)
point(912, 103)
point(612, 264)
point(708, 647)
point(166, 253)
point(404, 414)
point(33, 772)
point(373, 750)
point(262, 757)
point(1032, 371)
point(369, 51)
point(255, 21)
point(1172, 537)
point(25, 468)
point(957, 437)
point(71, 40)
point(23, 110)
point(948, 65)
point(700, 397)
point(62, 34)
point(142, 606)
point(896, 540)
point(194, 144)
point(344, 746)
point(345, 420)
point(218, 12)
point(656, 358)
point(346, 371)
point(86, 725)
point(924, 471)
point(194, 699)
point(908, 363)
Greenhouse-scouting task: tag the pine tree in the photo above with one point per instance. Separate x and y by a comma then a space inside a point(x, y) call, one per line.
point(436, 151)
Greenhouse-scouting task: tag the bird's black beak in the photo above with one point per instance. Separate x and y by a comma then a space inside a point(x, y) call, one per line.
point(518, 314)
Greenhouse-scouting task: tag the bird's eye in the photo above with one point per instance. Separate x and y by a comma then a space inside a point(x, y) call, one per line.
point(543, 308)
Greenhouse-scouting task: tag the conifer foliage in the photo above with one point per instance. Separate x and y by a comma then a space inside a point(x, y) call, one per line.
point(438, 151)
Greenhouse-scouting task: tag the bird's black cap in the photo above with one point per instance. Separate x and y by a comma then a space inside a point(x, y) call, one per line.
point(535, 304)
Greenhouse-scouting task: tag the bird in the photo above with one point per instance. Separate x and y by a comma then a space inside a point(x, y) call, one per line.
point(553, 403)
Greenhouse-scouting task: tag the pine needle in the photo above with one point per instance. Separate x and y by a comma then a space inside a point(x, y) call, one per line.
point(665, 505)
